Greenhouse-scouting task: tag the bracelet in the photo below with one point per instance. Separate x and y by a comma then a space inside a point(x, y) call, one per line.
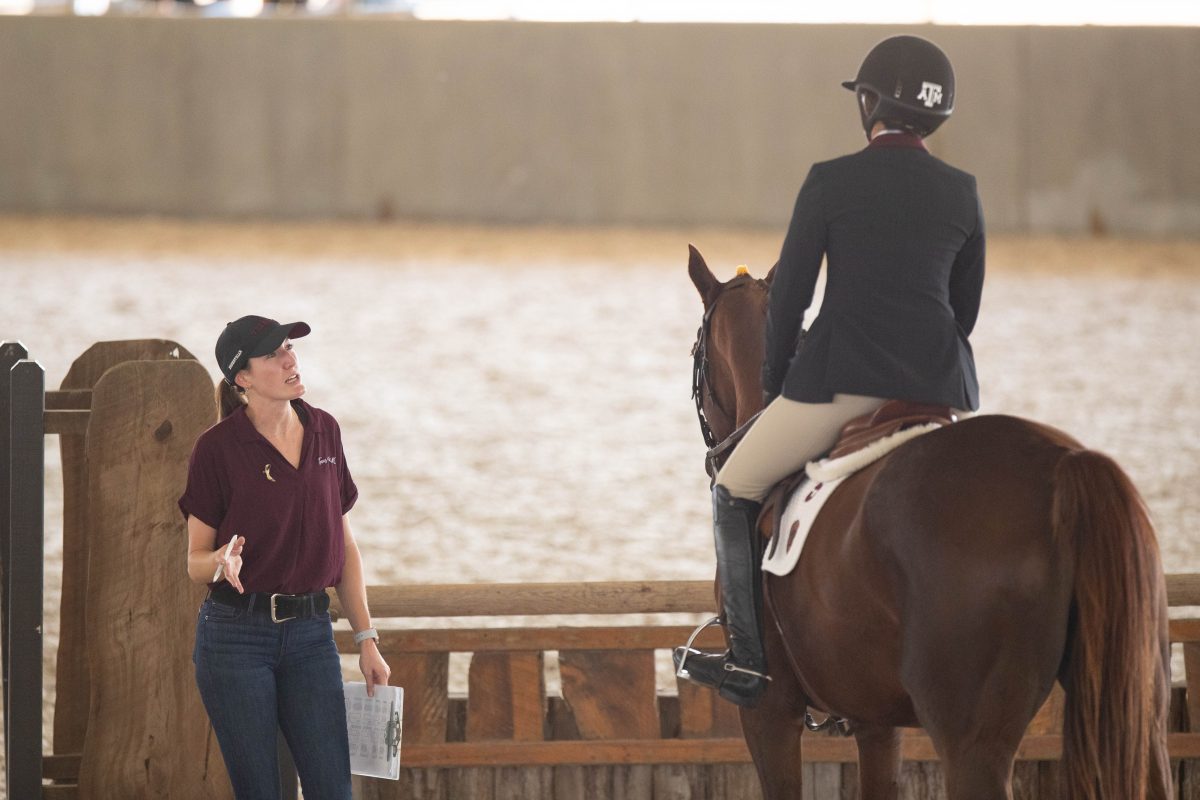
point(366, 633)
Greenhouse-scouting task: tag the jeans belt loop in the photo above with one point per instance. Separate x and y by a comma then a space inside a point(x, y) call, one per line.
point(275, 618)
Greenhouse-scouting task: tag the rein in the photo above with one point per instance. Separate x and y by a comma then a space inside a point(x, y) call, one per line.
point(718, 451)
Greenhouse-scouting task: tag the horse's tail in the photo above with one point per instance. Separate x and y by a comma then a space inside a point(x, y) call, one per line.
point(1117, 674)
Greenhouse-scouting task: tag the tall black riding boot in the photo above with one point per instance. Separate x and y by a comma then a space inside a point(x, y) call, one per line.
point(740, 673)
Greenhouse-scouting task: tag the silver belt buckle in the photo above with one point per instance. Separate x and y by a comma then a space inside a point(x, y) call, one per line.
point(273, 617)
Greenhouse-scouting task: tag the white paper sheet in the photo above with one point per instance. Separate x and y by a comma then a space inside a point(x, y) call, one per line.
point(375, 725)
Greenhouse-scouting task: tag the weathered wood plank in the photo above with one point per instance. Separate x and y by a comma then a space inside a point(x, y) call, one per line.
point(1185, 630)
point(64, 767)
point(72, 677)
point(70, 399)
point(922, 781)
point(1191, 666)
point(479, 640)
point(612, 693)
point(736, 780)
point(506, 698)
point(704, 751)
point(66, 422)
point(613, 597)
point(1189, 781)
point(1049, 787)
point(531, 599)
point(681, 782)
point(471, 782)
point(850, 782)
point(1183, 589)
point(413, 784)
point(703, 714)
point(1049, 718)
point(523, 783)
point(425, 678)
point(826, 781)
point(633, 782)
point(145, 722)
point(582, 752)
point(1026, 783)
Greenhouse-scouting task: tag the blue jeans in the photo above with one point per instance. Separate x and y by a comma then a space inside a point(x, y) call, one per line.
point(256, 676)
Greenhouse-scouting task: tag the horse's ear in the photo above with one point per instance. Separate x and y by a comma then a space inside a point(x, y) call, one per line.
point(706, 283)
point(771, 275)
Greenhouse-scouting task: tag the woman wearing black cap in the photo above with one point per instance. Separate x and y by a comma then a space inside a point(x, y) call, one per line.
point(267, 496)
point(902, 236)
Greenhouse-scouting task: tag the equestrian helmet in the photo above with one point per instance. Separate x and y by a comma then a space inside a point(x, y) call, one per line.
point(911, 81)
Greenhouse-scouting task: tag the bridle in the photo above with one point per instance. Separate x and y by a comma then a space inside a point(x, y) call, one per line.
point(718, 451)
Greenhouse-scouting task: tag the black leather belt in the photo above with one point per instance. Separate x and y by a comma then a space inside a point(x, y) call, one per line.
point(280, 607)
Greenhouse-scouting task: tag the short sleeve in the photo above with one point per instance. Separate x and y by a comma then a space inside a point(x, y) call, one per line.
point(205, 497)
point(349, 491)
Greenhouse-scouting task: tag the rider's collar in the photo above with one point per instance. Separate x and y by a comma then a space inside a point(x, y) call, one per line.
point(894, 138)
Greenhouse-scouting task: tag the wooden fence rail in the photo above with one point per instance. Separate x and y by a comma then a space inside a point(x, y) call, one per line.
point(507, 737)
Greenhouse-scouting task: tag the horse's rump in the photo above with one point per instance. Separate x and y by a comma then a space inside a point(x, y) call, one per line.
point(947, 537)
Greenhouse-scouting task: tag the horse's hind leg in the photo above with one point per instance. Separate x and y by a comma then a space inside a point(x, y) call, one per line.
point(878, 762)
point(979, 774)
point(978, 741)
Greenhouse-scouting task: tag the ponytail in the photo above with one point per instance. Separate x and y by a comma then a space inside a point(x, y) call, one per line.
point(229, 399)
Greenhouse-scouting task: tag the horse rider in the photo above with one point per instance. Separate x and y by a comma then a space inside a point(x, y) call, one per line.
point(902, 233)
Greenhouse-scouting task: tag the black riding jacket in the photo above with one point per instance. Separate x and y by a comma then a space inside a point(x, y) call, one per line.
point(903, 236)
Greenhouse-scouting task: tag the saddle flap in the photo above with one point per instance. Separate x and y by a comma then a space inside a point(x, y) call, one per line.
point(889, 418)
point(775, 503)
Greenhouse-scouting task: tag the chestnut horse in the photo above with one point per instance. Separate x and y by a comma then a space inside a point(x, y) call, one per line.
point(947, 586)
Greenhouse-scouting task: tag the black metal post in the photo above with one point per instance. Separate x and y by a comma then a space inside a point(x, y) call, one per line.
point(10, 353)
point(23, 702)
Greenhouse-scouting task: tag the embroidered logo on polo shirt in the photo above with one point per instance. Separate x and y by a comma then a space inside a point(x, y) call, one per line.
point(267, 472)
point(327, 460)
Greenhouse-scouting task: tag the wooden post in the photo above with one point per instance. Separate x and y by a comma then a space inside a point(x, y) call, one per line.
point(72, 681)
point(10, 354)
point(147, 733)
point(23, 562)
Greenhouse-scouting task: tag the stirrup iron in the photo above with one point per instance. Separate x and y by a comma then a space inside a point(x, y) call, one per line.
point(837, 723)
point(687, 649)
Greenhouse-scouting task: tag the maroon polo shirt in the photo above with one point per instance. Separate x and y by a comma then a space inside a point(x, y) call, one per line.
point(240, 484)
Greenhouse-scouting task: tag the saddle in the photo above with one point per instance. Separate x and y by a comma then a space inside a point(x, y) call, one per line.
point(892, 417)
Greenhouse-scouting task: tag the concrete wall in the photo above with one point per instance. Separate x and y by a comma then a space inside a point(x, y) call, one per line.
point(1067, 129)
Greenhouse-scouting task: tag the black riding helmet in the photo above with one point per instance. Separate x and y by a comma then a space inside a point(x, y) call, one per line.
point(912, 82)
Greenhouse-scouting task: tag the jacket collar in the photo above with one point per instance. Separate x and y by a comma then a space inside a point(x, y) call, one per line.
point(902, 140)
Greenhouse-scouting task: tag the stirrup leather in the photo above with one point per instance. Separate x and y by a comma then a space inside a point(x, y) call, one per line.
point(732, 667)
point(687, 649)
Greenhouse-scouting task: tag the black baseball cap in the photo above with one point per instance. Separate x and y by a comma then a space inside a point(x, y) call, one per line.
point(250, 337)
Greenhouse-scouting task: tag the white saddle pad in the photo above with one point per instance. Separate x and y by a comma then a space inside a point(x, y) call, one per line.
point(807, 499)
point(783, 551)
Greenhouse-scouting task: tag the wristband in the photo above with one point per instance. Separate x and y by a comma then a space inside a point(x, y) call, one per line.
point(366, 633)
